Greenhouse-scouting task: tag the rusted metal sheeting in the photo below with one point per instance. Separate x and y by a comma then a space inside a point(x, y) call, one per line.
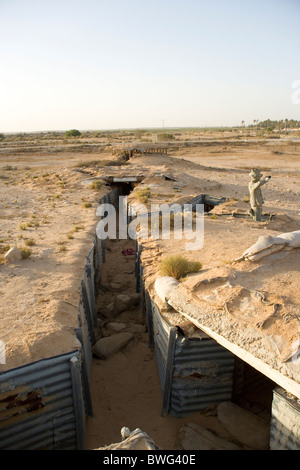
point(38, 408)
point(194, 373)
point(203, 374)
point(285, 421)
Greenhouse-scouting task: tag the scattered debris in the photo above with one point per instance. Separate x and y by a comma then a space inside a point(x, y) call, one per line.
point(135, 440)
point(128, 252)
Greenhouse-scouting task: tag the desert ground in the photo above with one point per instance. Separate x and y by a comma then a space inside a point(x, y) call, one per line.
point(48, 211)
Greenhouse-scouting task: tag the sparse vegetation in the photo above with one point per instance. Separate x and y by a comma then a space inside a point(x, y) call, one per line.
point(143, 195)
point(78, 227)
point(9, 168)
point(177, 266)
point(96, 185)
point(165, 136)
point(25, 252)
point(30, 242)
point(4, 248)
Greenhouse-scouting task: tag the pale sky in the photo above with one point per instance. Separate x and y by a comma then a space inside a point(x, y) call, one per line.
point(117, 64)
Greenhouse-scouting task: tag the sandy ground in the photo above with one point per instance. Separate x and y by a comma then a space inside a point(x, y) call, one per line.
point(47, 208)
point(43, 198)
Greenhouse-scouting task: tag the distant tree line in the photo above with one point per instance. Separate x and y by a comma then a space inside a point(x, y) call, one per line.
point(281, 124)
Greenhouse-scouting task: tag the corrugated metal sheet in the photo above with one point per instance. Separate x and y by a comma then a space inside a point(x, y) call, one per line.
point(202, 375)
point(38, 408)
point(194, 373)
point(285, 421)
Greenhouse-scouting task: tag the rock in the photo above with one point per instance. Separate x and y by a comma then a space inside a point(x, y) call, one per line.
point(114, 327)
point(106, 347)
point(110, 308)
point(116, 286)
point(123, 302)
point(13, 254)
point(245, 427)
point(136, 329)
point(195, 437)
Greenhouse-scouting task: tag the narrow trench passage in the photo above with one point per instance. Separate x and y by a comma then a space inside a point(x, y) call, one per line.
point(125, 387)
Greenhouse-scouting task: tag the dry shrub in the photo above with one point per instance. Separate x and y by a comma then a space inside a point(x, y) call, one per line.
point(143, 195)
point(30, 242)
point(96, 185)
point(177, 266)
point(25, 252)
point(4, 249)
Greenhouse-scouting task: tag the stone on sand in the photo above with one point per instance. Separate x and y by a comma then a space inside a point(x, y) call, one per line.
point(195, 437)
point(244, 426)
point(13, 254)
point(106, 347)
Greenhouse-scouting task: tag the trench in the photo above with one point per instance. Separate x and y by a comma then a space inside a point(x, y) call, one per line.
point(125, 387)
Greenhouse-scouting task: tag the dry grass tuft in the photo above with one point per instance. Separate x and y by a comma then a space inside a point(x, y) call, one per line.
point(96, 185)
point(177, 266)
point(143, 195)
point(25, 252)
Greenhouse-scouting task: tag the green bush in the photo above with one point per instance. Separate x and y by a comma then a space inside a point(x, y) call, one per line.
point(177, 266)
point(72, 133)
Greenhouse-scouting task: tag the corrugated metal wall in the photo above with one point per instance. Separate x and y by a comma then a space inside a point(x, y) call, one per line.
point(285, 422)
point(202, 375)
point(194, 373)
point(37, 407)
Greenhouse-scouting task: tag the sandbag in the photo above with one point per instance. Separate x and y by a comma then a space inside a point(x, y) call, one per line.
point(164, 285)
point(292, 238)
point(135, 440)
point(244, 426)
point(195, 437)
point(267, 245)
